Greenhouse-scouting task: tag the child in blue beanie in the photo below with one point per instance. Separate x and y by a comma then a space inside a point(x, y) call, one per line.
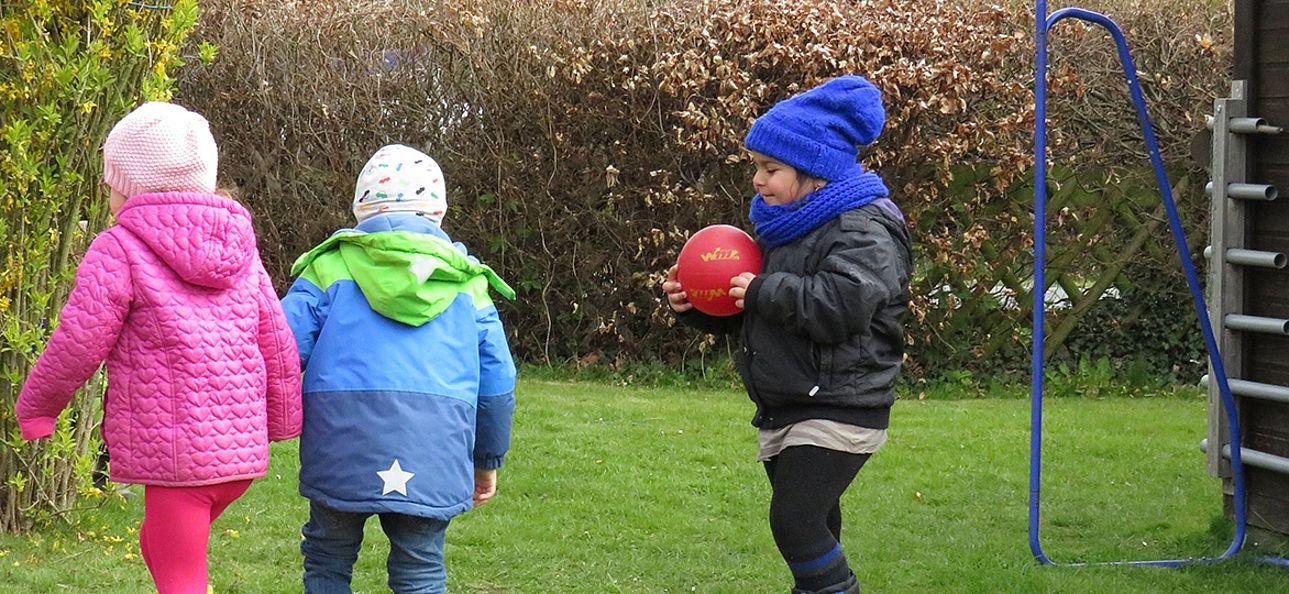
point(821, 333)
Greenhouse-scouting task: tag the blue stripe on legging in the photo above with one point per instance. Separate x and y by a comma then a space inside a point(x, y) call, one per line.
point(821, 561)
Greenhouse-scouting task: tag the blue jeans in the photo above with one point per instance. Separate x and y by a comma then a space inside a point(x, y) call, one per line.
point(332, 539)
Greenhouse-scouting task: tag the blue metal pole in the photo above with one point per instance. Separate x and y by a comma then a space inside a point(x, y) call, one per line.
point(1040, 280)
point(1044, 24)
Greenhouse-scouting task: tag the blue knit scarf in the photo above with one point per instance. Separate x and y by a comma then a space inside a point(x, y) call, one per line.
point(781, 224)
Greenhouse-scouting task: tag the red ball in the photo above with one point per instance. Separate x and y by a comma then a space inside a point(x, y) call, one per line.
point(710, 258)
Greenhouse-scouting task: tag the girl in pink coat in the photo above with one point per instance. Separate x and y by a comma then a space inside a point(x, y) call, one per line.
point(202, 368)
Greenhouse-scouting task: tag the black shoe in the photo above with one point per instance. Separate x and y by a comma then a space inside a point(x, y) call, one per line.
point(850, 586)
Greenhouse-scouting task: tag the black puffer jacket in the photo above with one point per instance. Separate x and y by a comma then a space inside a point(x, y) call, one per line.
point(821, 334)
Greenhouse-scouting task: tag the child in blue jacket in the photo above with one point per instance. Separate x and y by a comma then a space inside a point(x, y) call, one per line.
point(408, 380)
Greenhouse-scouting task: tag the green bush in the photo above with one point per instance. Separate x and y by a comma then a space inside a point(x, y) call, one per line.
point(68, 71)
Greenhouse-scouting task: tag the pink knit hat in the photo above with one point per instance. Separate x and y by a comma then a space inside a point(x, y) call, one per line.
point(160, 147)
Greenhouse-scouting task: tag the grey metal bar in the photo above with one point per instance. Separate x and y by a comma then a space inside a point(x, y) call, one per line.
point(1246, 191)
point(1245, 125)
point(1253, 126)
point(1250, 257)
point(1257, 324)
point(1226, 281)
point(1253, 457)
point(1255, 258)
point(1252, 191)
point(1250, 389)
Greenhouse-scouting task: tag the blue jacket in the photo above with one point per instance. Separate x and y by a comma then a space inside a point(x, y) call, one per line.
point(408, 380)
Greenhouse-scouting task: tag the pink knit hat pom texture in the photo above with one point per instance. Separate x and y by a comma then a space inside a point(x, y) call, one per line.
point(160, 147)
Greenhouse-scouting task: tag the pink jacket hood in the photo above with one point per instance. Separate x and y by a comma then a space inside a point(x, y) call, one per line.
point(206, 239)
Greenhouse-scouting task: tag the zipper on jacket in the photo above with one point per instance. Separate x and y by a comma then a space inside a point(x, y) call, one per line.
point(749, 358)
point(822, 364)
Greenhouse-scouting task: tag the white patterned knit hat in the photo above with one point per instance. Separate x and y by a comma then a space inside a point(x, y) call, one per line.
point(400, 179)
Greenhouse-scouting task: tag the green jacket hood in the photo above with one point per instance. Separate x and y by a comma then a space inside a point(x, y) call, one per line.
point(406, 276)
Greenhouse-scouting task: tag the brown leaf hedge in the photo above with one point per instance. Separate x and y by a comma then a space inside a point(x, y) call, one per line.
point(584, 141)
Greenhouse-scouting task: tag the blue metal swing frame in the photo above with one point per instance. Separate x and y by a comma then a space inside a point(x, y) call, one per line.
point(1044, 24)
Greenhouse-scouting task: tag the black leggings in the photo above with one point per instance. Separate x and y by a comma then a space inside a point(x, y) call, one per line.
point(805, 509)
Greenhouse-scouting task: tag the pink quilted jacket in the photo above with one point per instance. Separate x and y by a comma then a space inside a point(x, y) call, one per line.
point(202, 368)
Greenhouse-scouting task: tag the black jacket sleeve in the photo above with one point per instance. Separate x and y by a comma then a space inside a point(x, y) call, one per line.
point(863, 269)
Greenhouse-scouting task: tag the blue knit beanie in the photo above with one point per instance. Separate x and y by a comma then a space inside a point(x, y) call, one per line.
point(820, 131)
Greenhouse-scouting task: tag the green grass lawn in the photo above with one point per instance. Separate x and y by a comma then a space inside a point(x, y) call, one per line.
point(623, 489)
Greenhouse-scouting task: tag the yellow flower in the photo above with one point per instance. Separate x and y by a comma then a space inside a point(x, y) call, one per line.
point(88, 106)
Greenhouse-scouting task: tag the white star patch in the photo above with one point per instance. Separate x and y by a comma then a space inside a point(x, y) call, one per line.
point(395, 478)
point(422, 268)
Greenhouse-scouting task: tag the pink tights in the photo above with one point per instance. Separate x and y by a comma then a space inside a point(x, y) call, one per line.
point(176, 532)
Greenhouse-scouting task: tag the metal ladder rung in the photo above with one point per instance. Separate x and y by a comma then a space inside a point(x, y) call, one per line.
point(1245, 257)
point(1245, 126)
point(1250, 389)
point(1257, 324)
point(1253, 457)
point(1243, 191)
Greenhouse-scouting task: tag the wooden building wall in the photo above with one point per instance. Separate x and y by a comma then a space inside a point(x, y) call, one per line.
point(1262, 58)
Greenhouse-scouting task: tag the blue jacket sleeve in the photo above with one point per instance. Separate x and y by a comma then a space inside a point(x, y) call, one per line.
point(305, 306)
point(496, 392)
